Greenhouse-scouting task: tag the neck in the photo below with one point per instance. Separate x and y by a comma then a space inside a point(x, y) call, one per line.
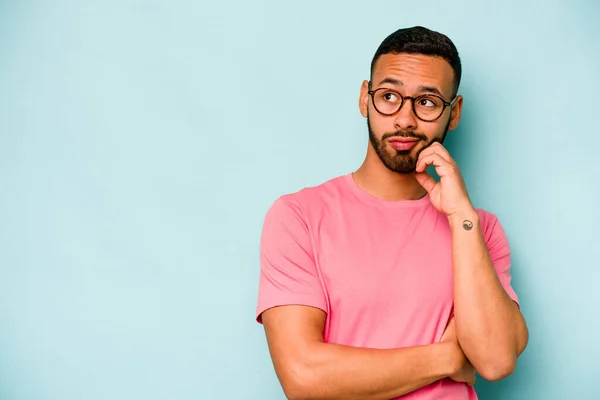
point(374, 178)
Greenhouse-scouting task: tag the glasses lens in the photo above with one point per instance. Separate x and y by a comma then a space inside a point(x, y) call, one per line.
point(428, 107)
point(387, 101)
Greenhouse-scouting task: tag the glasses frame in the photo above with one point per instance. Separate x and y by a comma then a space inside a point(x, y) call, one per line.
point(404, 98)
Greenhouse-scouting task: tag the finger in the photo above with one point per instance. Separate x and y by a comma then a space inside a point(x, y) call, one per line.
point(472, 382)
point(449, 332)
point(429, 159)
point(450, 324)
point(425, 180)
point(433, 159)
point(433, 150)
point(441, 150)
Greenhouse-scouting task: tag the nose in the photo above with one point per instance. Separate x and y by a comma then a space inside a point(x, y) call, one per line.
point(406, 119)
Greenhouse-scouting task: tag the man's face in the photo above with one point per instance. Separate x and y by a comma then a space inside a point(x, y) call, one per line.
point(398, 139)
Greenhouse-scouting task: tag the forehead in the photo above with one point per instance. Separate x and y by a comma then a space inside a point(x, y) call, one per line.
point(415, 70)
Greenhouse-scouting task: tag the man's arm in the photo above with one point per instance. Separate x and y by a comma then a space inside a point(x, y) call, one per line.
point(489, 325)
point(308, 368)
point(490, 328)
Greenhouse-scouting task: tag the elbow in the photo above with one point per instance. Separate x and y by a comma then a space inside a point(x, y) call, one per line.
point(498, 370)
point(296, 392)
point(298, 384)
point(502, 365)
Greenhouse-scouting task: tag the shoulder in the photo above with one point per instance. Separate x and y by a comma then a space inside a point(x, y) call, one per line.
point(308, 199)
point(289, 218)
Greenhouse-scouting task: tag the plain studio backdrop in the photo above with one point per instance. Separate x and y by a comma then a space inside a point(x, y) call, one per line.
point(141, 143)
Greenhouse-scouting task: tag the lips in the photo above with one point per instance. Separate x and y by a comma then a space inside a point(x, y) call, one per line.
point(403, 144)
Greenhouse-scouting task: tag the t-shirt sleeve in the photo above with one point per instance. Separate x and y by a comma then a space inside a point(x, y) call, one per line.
point(499, 251)
point(288, 273)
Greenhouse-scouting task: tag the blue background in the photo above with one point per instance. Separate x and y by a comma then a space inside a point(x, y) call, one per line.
point(141, 143)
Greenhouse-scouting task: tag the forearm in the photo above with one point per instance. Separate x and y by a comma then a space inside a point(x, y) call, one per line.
point(488, 323)
point(333, 371)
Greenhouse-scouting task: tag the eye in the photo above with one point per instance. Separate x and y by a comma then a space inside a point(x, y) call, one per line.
point(391, 97)
point(428, 102)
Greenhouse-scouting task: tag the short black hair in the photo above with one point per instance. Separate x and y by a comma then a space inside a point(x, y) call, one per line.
point(420, 40)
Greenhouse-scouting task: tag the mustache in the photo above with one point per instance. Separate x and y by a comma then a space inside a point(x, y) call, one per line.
point(404, 134)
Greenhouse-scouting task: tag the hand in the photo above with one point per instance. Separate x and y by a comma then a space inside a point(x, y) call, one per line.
point(464, 371)
point(449, 195)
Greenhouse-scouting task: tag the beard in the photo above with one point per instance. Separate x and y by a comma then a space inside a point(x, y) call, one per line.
point(401, 161)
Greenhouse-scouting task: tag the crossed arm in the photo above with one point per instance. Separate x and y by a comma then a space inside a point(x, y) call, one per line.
point(488, 334)
point(490, 328)
point(308, 368)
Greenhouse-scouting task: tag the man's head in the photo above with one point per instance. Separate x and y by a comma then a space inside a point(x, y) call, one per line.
point(424, 66)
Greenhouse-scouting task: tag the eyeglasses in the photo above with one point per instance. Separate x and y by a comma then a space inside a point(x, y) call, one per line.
point(427, 107)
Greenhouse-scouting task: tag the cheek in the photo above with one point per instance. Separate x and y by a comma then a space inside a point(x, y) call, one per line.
point(433, 131)
point(381, 126)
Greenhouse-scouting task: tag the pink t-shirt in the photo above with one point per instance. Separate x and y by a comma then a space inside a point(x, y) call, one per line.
point(381, 270)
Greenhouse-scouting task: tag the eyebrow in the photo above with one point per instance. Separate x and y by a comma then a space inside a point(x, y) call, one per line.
point(396, 82)
point(430, 89)
point(392, 81)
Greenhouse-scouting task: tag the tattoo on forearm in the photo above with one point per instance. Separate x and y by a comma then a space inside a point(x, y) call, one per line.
point(468, 225)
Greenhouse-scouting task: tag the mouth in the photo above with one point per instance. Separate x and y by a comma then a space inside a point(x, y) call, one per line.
point(403, 143)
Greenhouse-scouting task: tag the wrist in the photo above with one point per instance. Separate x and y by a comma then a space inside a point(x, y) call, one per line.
point(452, 358)
point(467, 215)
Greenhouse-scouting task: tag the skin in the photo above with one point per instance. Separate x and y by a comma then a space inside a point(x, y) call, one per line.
point(487, 332)
point(413, 71)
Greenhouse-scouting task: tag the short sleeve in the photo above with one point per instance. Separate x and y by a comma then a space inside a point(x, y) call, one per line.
point(499, 251)
point(288, 274)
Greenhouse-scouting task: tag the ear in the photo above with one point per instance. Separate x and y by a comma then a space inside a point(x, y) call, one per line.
point(456, 112)
point(363, 101)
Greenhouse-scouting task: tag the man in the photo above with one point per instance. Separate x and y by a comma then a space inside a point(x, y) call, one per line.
point(384, 283)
